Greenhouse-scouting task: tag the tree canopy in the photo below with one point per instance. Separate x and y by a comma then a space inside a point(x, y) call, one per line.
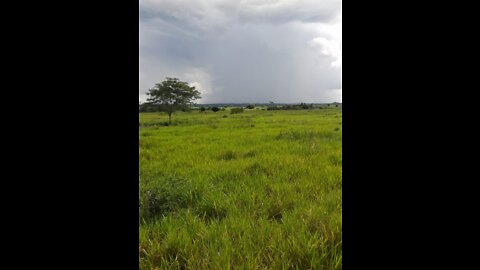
point(172, 94)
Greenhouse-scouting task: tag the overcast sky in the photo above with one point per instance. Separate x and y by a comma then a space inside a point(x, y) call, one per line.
point(244, 51)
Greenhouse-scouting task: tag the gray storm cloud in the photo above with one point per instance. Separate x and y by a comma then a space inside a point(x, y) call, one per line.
point(244, 51)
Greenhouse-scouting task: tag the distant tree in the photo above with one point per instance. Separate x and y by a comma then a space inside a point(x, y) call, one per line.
point(250, 106)
point(215, 109)
point(236, 110)
point(303, 106)
point(202, 109)
point(172, 94)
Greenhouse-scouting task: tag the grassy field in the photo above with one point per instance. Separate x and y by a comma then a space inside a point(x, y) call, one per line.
point(255, 190)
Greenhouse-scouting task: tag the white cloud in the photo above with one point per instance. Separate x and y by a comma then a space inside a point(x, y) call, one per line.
point(201, 80)
point(329, 47)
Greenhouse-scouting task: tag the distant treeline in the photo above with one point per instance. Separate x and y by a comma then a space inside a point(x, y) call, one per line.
point(244, 105)
point(150, 107)
point(301, 106)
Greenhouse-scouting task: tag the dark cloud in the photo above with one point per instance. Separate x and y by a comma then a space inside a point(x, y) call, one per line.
point(244, 52)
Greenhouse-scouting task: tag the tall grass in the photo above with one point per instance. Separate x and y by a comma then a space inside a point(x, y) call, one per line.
point(256, 190)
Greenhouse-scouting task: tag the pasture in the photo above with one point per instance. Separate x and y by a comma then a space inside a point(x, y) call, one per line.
point(255, 190)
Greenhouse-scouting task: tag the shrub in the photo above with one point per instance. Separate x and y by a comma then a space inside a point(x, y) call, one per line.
point(250, 107)
point(236, 110)
point(202, 109)
point(215, 109)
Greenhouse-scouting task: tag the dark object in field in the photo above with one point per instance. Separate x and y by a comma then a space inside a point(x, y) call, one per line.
point(215, 109)
point(277, 217)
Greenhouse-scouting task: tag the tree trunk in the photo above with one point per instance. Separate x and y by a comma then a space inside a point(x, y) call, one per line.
point(170, 114)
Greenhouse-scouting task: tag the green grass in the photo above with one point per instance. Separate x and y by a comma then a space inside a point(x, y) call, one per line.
point(255, 190)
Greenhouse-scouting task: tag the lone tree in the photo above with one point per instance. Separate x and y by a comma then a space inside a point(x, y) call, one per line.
point(172, 94)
